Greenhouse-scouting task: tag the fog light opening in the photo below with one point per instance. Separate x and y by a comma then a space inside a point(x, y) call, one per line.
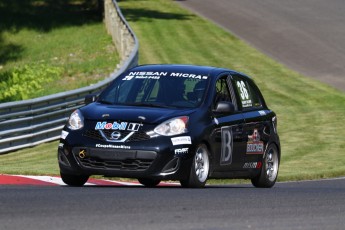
point(63, 159)
point(172, 166)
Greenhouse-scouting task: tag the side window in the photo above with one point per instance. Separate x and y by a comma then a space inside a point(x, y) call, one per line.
point(222, 91)
point(256, 102)
point(248, 96)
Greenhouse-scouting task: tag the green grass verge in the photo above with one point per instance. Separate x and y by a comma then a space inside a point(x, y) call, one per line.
point(64, 35)
point(309, 113)
point(40, 160)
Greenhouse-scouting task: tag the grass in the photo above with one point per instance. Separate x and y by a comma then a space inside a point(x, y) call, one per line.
point(65, 34)
point(40, 160)
point(310, 114)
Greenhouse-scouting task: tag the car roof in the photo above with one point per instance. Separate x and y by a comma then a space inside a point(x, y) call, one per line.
point(196, 69)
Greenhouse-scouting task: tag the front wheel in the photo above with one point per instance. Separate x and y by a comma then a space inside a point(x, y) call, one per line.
point(199, 170)
point(74, 180)
point(269, 171)
point(149, 182)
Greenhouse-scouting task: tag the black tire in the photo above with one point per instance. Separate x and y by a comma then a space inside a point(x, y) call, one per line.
point(74, 180)
point(270, 167)
point(199, 170)
point(149, 182)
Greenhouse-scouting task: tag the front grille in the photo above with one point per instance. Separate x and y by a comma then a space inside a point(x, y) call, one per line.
point(108, 133)
point(137, 136)
point(114, 159)
point(127, 165)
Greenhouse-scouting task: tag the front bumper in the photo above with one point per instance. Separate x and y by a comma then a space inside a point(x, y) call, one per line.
point(155, 158)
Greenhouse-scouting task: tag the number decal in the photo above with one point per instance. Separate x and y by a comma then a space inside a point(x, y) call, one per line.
point(243, 90)
point(227, 143)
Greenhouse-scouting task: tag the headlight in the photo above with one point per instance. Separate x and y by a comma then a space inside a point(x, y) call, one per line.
point(76, 120)
point(173, 126)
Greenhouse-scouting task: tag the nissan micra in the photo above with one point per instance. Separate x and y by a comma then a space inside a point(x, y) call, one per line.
point(173, 122)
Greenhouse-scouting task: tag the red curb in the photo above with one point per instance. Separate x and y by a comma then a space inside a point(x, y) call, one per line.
point(18, 180)
point(23, 180)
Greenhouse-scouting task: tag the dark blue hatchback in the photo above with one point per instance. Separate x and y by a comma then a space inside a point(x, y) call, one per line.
point(173, 122)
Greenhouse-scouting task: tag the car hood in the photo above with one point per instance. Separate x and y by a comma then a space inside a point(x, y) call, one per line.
point(101, 112)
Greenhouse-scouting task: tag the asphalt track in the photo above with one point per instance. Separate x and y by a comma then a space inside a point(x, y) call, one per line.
point(295, 205)
point(307, 36)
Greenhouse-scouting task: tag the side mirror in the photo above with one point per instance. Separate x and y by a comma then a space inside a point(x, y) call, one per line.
point(224, 107)
point(90, 98)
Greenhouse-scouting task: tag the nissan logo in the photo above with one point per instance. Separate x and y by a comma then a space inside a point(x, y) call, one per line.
point(115, 135)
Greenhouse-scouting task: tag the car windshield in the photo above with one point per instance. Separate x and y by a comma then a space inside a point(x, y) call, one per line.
point(156, 91)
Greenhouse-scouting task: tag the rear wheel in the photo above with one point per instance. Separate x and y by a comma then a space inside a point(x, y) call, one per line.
point(269, 171)
point(149, 182)
point(199, 170)
point(74, 180)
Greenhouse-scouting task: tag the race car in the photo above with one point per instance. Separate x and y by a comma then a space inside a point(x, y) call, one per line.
point(173, 122)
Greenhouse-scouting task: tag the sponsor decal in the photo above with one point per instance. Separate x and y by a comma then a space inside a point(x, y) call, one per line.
point(227, 145)
point(247, 103)
point(262, 112)
point(144, 75)
point(252, 165)
point(133, 126)
point(188, 75)
point(184, 140)
point(181, 151)
point(110, 146)
point(242, 89)
point(128, 78)
point(157, 75)
point(113, 126)
point(64, 134)
point(147, 77)
point(117, 126)
point(254, 145)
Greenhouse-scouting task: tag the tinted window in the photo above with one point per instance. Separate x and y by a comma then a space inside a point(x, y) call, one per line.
point(254, 96)
point(248, 96)
point(159, 91)
point(222, 91)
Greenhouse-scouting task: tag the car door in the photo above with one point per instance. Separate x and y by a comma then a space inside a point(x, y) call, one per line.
point(228, 129)
point(255, 113)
